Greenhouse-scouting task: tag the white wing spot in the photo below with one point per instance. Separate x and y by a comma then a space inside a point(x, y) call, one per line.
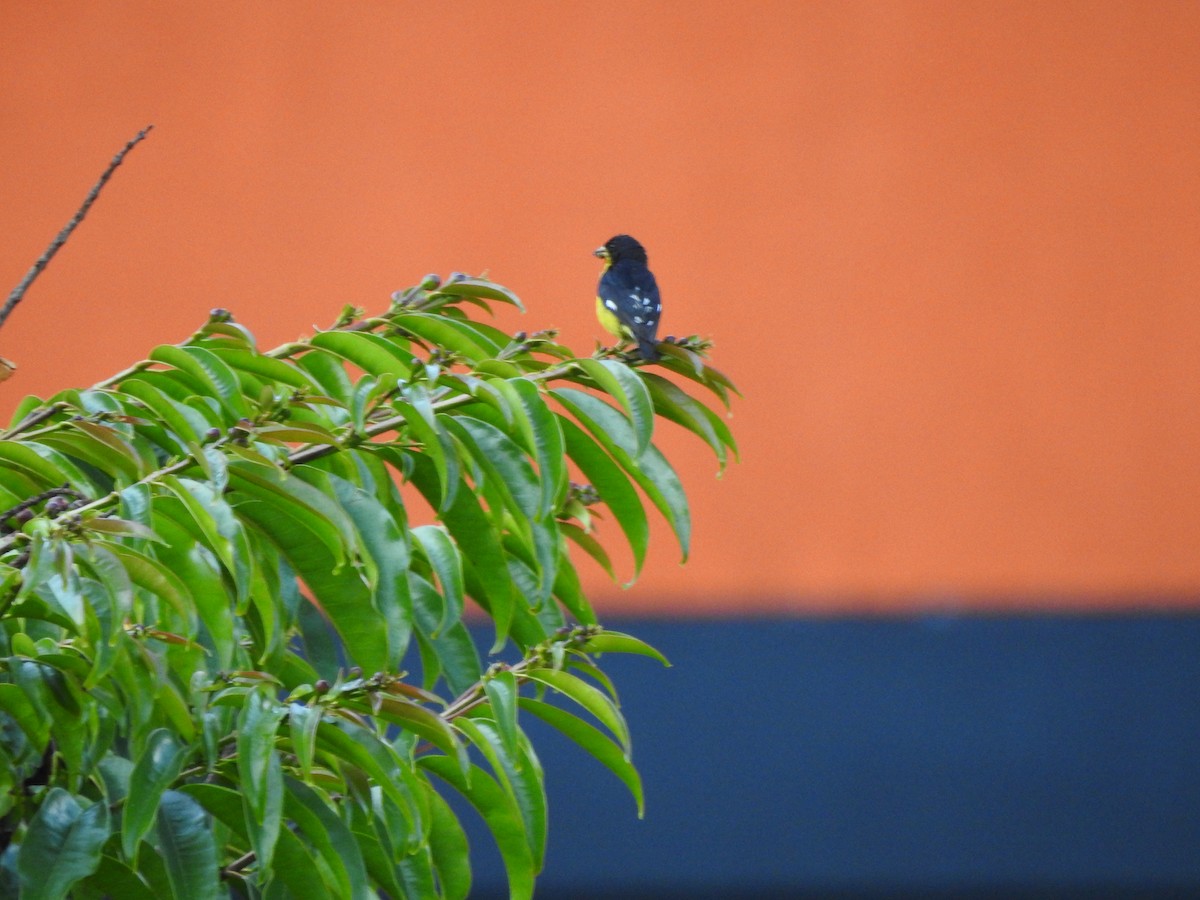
point(610, 305)
point(637, 320)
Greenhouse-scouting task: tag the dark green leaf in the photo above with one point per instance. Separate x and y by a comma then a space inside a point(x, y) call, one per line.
point(62, 845)
point(321, 826)
point(187, 846)
point(153, 772)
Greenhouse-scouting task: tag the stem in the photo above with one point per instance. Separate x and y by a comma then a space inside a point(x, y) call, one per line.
point(55, 245)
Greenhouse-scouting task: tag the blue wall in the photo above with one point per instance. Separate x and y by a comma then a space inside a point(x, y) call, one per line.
point(1044, 755)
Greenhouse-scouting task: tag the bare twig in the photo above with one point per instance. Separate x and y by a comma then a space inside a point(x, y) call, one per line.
point(19, 291)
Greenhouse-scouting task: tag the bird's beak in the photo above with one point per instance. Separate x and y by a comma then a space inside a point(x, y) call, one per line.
point(601, 252)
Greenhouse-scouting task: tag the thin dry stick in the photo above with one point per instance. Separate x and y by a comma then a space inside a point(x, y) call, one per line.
point(19, 291)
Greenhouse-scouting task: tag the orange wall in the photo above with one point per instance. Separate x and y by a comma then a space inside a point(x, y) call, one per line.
point(948, 249)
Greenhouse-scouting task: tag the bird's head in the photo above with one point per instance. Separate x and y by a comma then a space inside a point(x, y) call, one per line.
point(620, 247)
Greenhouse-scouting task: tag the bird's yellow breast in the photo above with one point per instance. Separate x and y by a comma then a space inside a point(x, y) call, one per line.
point(610, 322)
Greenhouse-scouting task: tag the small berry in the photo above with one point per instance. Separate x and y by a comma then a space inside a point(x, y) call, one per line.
point(56, 505)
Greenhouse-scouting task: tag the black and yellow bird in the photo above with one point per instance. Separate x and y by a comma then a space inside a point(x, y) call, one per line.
point(628, 304)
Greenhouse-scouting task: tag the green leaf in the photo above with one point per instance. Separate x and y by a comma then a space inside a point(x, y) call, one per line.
point(217, 528)
point(616, 642)
point(382, 534)
point(198, 568)
point(17, 704)
point(153, 772)
point(520, 774)
point(329, 372)
point(614, 488)
point(62, 845)
point(415, 718)
point(120, 528)
point(186, 424)
point(115, 879)
point(671, 402)
point(501, 691)
point(158, 579)
point(441, 331)
point(266, 368)
point(652, 472)
point(692, 365)
point(261, 776)
point(287, 495)
point(28, 404)
point(302, 728)
point(341, 591)
point(322, 828)
point(113, 447)
point(503, 462)
point(590, 698)
point(471, 527)
point(542, 437)
point(594, 742)
point(187, 846)
point(502, 817)
point(623, 384)
point(296, 434)
point(226, 332)
point(428, 429)
point(443, 558)
point(481, 288)
point(21, 457)
point(294, 866)
point(211, 377)
point(373, 354)
point(365, 751)
point(454, 650)
point(590, 546)
point(448, 846)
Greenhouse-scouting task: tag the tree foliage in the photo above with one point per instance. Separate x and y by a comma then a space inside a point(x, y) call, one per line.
point(233, 657)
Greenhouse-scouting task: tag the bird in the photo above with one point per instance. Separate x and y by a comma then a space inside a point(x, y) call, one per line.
point(628, 304)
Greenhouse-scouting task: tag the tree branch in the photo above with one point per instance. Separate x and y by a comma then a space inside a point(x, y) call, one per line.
point(19, 291)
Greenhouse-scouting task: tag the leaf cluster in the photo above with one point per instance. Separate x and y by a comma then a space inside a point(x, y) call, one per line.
point(233, 656)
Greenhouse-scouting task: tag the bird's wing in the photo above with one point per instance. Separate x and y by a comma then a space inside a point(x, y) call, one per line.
point(631, 294)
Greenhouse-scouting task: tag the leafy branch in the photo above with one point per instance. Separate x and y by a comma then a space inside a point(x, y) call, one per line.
point(208, 550)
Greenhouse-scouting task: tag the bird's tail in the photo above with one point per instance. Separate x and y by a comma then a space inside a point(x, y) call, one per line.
point(648, 348)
